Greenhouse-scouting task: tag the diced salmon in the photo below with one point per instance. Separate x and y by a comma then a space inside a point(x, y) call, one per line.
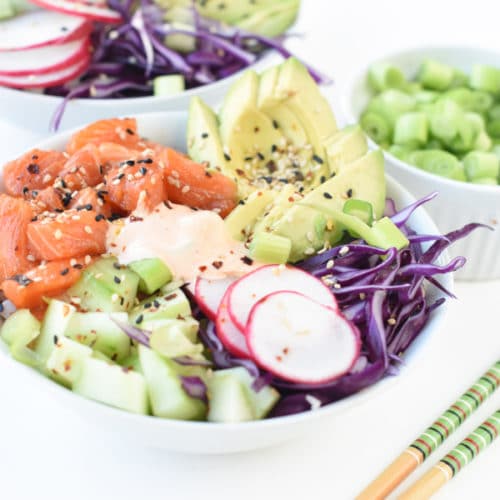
point(137, 183)
point(15, 216)
point(120, 131)
point(45, 280)
point(112, 154)
point(34, 170)
point(189, 183)
point(48, 199)
point(82, 169)
point(89, 199)
point(70, 234)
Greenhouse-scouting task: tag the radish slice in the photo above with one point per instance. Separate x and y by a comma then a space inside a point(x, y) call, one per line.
point(47, 79)
point(39, 28)
point(299, 340)
point(274, 278)
point(209, 293)
point(229, 334)
point(44, 59)
point(95, 11)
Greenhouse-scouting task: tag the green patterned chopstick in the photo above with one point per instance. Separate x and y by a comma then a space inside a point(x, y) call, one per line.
point(433, 436)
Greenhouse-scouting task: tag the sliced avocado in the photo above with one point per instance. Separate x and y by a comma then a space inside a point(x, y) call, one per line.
point(240, 221)
point(203, 139)
point(309, 229)
point(344, 147)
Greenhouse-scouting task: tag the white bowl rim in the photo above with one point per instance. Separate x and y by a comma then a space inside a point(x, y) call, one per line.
point(336, 407)
point(358, 75)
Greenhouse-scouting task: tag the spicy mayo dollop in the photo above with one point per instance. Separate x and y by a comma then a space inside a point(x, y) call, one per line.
point(191, 242)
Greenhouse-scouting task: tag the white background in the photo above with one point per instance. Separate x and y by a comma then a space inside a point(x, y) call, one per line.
point(46, 452)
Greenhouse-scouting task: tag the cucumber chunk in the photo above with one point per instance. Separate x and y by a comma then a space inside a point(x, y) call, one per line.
point(132, 362)
point(168, 398)
point(188, 326)
point(231, 406)
point(99, 331)
point(106, 286)
point(171, 341)
point(20, 328)
point(174, 305)
point(153, 274)
point(54, 324)
point(112, 385)
point(64, 363)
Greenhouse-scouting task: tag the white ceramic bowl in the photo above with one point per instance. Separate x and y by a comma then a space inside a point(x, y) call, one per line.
point(458, 203)
point(203, 437)
point(33, 111)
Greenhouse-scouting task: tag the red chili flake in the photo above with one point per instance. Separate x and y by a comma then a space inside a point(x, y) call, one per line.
point(217, 264)
point(202, 268)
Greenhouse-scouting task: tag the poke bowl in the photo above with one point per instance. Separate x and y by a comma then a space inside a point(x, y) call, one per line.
point(217, 311)
point(458, 201)
point(83, 62)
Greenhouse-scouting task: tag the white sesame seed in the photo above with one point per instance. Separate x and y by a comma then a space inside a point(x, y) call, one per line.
point(309, 251)
point(31, 258)
point(391, 321)
point(344, 250)
point(185, 189)
point(57, 234)
point(337, 285)
point(88, 259)
point(88, 229)
point(330, 264)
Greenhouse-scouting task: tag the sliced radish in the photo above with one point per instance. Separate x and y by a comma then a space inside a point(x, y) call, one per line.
point(95, 11)
point(39, 28)
point(229, 334)
point(44, 59)
point(299, 340)
point(209, 293)
point(252, 287)
point(47, 79)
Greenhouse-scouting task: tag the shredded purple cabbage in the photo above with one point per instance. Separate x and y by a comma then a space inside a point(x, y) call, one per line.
point(195, 387)
point(128, 57)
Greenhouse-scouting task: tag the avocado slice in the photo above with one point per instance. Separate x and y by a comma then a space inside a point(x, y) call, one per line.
point(309, 229)
point(203, 139)
point(344, 147)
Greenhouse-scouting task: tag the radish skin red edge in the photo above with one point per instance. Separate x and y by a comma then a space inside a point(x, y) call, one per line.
point(229, 334)
point(209, 294)
point(82, 9)
point(252, 287)
point(44, 29)
point(300, 340)
point(24, 63)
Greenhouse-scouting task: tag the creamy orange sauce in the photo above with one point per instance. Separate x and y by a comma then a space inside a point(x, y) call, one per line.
point(191, 243)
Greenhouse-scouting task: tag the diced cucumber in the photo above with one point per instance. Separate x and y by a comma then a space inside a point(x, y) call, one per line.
point(132, 362)
point(153, 274)
point(261, 402)
point(20, 328)
point(112, 385)
point(171, 341)
point(168, 398)
point(188, 326)
point(174, 305)
point(65, 361)
point(54, 324)
point(270, 248)
point(228, 399)
point(106, 286)
point(167, 85)
point(99, 331)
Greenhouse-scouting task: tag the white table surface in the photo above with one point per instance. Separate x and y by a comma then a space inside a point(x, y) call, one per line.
point(46, 452)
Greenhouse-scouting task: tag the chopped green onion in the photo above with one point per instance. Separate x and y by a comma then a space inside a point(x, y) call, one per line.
point(382, 76)
point(426, 96)
point(481, 101)
point(434, 144)
point(361, 209)
point(485, 78)
point(478, 164)
point(391, 104)
point(444, 119)
point(459, 78)
point(461, 96)
point(270, 248)
point(376, 126)
point(483, 142)
point(435, 75)
point(385, 234)
point(411, 129)
point(467, 132)
point(439, 163)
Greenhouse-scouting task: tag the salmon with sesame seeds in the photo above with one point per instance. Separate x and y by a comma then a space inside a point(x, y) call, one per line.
point(82, 169)
point(72, 233)
point(43, 281)
point(34, 170)
point(48, 199)
point(189, 183)
point(117, 130)
point(112, 154)
point(15, 216)
point(92, 199)
point(136, 183)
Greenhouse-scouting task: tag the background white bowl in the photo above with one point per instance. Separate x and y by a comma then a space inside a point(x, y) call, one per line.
point(201, 437)
point(33, 111)
point(458, 203)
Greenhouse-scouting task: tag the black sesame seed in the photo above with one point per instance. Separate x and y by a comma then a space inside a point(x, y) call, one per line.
point(116, 265)
point(147, 305)
point(156, 303)
point(328, 196)
point(25, 190)
point(65, 271)
point(143, 170)
point(33, 168)
point(122, 301)
point(146, 160)
point(227, 157)
point(261, 156)
point(55, 339)
point(322, 179)
point(66, 199)
point(275, 124)
point(114, 216)
point(117, 280)
point(241, 202)
point(120, 176)
point(88, 206)
point(99, 217)
point(130, 163)
point(167, 204)
point(274, 148)
point(248, 158)
point(349, 193)
point(204, 135)
point(317, 159)
point(139, 319)
point(78, 266)
point(129, 131)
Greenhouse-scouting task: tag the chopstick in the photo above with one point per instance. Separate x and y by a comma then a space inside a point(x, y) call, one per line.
point(433, 436)
point(455, 461)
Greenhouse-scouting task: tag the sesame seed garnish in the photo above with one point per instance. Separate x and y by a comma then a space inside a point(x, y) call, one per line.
point(117, 280)
point(328, 196)
point(64, 271)
point(31, 258)
point(309, 251)
point(317, 159)
point(391, 321)
point(330, 264)
point(204, 135)
point(227, 157)
point(139, 319)
point(88, 229)
point(88, 259)
point(344, 250)
point(57, 234)
point(349, 193)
